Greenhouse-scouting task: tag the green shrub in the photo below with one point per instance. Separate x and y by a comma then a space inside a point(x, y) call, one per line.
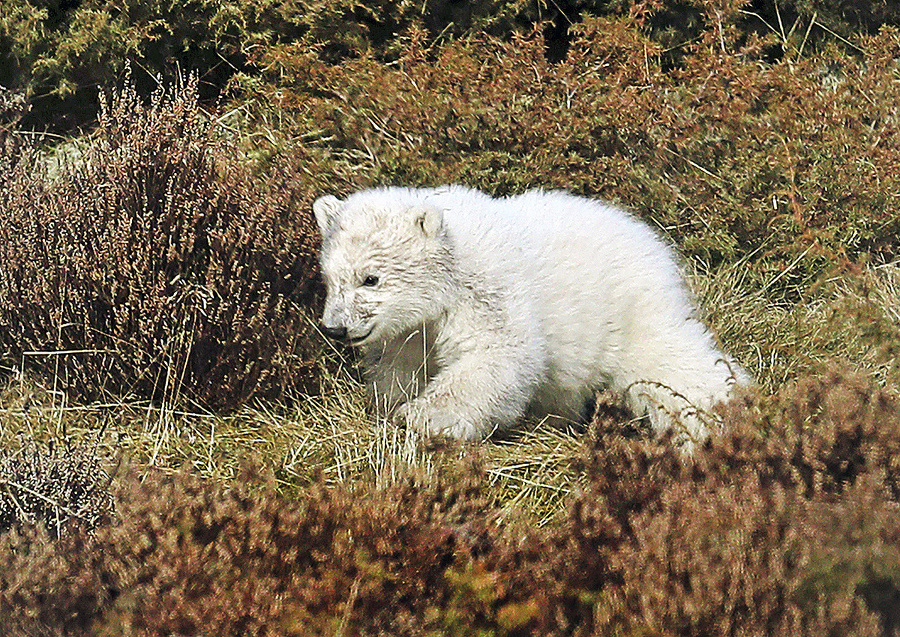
point(154, 265)
point(61, 53)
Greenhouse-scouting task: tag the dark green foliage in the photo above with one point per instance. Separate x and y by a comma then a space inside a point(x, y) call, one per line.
point(152, 264)
point(846, 19)
point(62, 53)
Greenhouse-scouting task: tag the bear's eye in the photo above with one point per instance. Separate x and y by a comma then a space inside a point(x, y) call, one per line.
point(370, 281)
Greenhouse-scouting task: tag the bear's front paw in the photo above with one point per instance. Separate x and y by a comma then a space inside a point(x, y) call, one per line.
point(419, 416)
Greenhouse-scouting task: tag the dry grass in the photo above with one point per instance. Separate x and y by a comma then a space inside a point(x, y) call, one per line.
point(331, 433)
point(848, 318)
point(582, 531)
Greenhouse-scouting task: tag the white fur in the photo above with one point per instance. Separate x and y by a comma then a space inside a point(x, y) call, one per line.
point(485, 309)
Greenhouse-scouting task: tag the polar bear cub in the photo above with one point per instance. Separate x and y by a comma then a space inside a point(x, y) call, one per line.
point(471, 311)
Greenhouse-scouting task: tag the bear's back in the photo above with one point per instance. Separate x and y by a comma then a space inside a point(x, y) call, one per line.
point(557, 242)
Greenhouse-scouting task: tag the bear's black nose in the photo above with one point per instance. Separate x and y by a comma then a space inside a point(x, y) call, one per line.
point(337, 333)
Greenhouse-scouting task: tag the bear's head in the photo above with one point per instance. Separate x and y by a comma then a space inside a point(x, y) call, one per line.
point(385, 265)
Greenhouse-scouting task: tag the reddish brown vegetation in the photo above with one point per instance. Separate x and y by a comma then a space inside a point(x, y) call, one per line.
point(786, 525)
point(730, 153)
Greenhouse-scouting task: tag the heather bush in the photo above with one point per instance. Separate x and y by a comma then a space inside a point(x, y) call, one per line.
point(154, 265)
point(190, 557)
point(53, 486)
point(791, 162)
point(784, 524)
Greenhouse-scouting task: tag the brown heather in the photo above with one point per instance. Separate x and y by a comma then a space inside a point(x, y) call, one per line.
point(786, 525)
point(54, 486)
point(190, 557)
point(151, 264)
point(730, 154)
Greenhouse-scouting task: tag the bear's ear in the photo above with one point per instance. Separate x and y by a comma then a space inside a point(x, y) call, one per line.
point(327, 210)
point(428, 219)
